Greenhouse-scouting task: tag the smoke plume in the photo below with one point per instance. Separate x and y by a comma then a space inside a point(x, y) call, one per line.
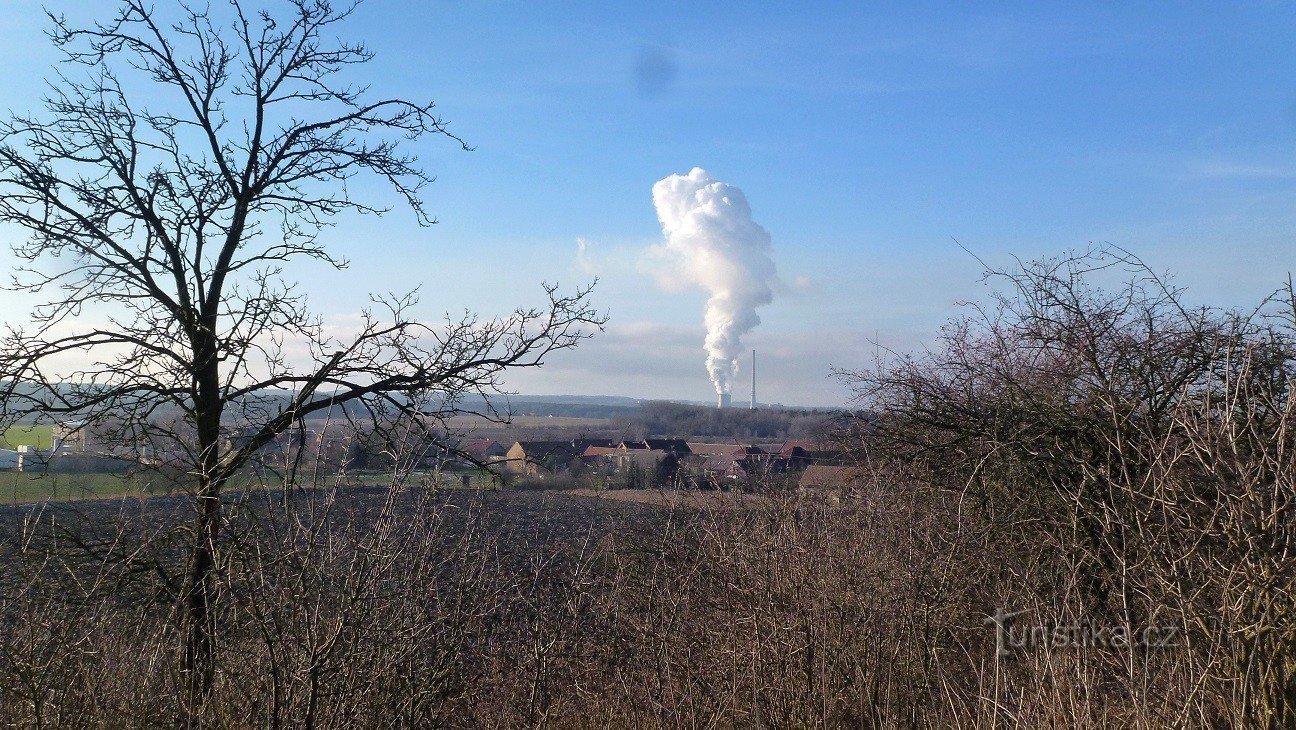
point(713, 243)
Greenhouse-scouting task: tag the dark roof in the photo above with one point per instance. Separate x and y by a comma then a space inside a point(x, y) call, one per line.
point(718, 462)
point(539, 450)
point(712, 449)
point(677, 446)
point(480, 446)
point(796, 448)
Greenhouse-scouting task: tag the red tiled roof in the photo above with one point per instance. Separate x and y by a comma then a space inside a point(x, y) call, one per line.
point(790, 445)
point(701, 448)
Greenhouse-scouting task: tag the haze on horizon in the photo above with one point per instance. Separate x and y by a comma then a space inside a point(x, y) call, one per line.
point(872, 144)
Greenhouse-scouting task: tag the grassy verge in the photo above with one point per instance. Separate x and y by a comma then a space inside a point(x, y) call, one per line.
point(40, 437)
point(23, 487)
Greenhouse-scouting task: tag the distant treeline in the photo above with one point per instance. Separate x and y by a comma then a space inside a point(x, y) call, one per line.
point(661, 417)
point(626, 415)
point(571, 410)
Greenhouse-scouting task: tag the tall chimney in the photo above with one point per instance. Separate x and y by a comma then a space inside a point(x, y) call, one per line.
point(723, 401)
point(753, 398)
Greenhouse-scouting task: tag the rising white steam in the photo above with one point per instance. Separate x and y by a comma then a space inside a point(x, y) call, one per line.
point(712, 242)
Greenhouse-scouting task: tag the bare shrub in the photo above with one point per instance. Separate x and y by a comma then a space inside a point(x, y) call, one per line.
point(1128, 457)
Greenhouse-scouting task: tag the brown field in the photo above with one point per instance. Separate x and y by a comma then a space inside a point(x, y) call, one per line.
point(672, 498)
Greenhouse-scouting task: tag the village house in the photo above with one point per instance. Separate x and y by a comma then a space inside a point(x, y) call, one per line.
point(727, 467)
point(704, 449)
point(484, 450)
point(71, 437)
point(540, 458)
point(599, 455)
point(647, 467)
point(637, 467)
point(797, 454)
point(678, 447)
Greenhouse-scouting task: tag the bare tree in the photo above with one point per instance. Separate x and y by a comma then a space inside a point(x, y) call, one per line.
point(185, 157)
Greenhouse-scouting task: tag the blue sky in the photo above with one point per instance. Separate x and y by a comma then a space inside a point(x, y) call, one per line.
point(867, 138)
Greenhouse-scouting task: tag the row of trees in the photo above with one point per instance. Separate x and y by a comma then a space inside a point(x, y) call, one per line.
point(661, 417)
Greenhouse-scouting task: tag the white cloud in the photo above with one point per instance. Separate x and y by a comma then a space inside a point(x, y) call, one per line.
point(584, 258)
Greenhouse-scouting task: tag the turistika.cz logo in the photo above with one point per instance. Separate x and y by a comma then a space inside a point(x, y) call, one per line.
point(1011, 635)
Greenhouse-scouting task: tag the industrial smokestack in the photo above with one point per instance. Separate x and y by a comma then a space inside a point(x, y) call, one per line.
point(753, 400)
point(723, 401)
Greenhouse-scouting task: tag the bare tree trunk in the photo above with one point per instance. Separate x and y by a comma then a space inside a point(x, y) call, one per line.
point(198, 664)
point(198, 667)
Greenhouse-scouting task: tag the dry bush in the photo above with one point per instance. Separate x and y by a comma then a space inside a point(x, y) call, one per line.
point(405, 608)
point(1129, 457)
point(400, 608)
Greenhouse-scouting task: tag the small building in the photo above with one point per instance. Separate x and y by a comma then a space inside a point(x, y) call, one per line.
point(678, 447)
point(71, 437)
point(539, 458)
point(484, 450)
point(698, 448)
point(644, 468)
point(727, 468)
point(581, 444)
point(796, 454)
point(594, 455)
point(636, 467)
